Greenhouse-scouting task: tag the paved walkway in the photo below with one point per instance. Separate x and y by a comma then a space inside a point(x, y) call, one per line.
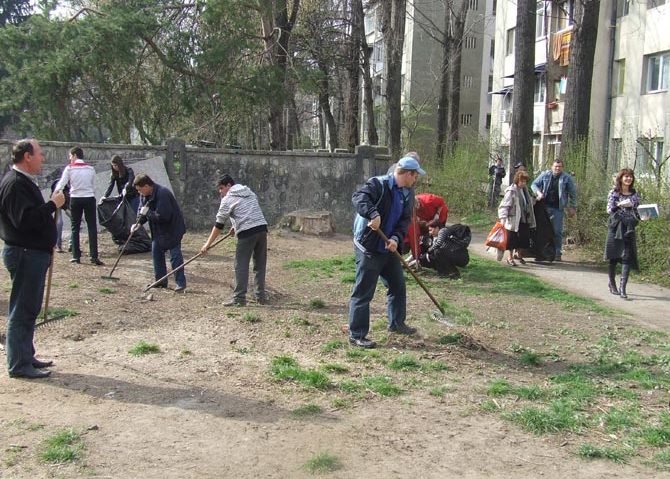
point(648, 303)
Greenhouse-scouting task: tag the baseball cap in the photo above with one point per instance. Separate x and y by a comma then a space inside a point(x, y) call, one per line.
point(409, 163)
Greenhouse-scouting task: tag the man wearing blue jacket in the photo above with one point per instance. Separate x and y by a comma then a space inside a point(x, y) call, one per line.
point(557, 189)
point(384, 202)
point(159, 207)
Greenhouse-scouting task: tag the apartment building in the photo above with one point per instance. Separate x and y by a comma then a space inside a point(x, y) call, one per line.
point(422, 69)
point(630, 103)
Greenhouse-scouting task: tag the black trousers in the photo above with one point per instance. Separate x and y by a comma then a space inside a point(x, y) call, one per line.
point(84, 207)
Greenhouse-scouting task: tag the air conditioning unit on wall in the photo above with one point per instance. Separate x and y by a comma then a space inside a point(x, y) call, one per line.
point(505, 116)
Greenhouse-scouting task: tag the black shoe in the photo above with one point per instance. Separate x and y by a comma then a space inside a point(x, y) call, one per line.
point(96, 262)
point(262, 300)
point(612, 288)
point(42, 364)
point(75, 260)
point(31, 373)
point(403, 329)
point(159, 285)
point(362, 343)
point(234, 302)
point(180, 289)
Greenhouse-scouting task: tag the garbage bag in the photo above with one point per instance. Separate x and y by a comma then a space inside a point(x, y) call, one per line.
point(117, 216)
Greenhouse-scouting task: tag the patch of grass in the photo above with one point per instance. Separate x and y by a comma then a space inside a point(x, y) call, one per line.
point(251, 317)
point(405, 362)
point(287, 368)
point(439, 391)
point(489, 406)
point(341, 403)
point(62, 312)
point(559, 415)
point(72, 285)
point(332, 345)
point(63, 446)
point(299, 320)
point(457, 315)
point(350, 386)
point(434, 366)
point(661, 460)
point(656, 436)
point(335, 368)
point(324, 267)
point(530, 358)
point(142, 347)
point(362, 354)
point(349, 278)
point(453, 338)
point(317, 303)
point(307, 410)
point(618, 418)
point(531, 393)
point(615, 454)
point(323, 462)
point(107, 290)
point(185, 353)
point(499, 387)
point(382, 385)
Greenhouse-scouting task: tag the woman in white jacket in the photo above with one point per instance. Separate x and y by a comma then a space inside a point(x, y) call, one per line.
point(516, 214)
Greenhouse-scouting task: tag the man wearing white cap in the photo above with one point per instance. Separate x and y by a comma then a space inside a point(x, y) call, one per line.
point(384, 203)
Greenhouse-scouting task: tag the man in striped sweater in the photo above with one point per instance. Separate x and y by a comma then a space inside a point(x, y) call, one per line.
point(81, 178)
point(240, 205)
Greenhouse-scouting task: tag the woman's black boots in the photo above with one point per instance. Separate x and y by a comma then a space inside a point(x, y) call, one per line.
point(625, 269)
point(611, 271)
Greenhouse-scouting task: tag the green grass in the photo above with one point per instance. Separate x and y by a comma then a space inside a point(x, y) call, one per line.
point(661, 460)
point(299, 320)
point(287, 368)
point(61, 312)
point(453, 338)
point(499, 387)
point(382, 385)
point(251, 318)
point(63, 446)
point(317, 303)
point(618, 418)
point(350, 386)
point(559, 415)
point(142, 347)
point(341, 403)
point(72, 285)
point(439, 391)
point(405, 362)
point(530, 358)
point(323, 462)
point(489, 406)
point(335, 368)
point(457, 315)
point(307, 410)
point(656, 436)
point(324, 267)
point(614, 454)
point(107, 290)
point(332, 345)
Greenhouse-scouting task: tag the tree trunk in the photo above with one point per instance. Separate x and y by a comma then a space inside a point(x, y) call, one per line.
point(352, 109)
point(368, 100)
point(443, 99)
point(457, 27)
point(576, 114)
point(393, 29)
point(324, 104)
point(521, 140)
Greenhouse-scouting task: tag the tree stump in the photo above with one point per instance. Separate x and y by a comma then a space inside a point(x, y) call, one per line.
point(319, 223)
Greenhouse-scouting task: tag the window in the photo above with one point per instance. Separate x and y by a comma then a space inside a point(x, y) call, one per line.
point(490, 83)
point(540, 90)
point(466, 119)
point(473, 4)
point(618, 77)
point(541, 20)
point(488, 121)
point(470, 42)
point(564, 16)
point(648, 153)
point(378, 51)
point(655, 3)
point(509, 43)
point(494, 6)
point(658, 72)
point(467, 81)
point(493, 50)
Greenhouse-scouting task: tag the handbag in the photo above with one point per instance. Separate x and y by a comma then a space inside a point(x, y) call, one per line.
point(497, 237)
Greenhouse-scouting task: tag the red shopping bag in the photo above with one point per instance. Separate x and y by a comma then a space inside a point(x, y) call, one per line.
point(497, 237)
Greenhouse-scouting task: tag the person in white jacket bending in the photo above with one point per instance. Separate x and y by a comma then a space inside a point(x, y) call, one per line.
point(240, 205)
point(81, 177)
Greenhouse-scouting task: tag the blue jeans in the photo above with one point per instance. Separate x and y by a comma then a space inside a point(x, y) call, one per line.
point(369, 268)
point(176, 260)
point(84, 207)
point(556, 217)
point(255, 245)
point(27, 269)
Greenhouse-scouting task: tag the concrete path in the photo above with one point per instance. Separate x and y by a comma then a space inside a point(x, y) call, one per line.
point(647, 303)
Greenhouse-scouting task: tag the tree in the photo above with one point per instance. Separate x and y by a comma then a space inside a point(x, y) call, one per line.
point(393, 29)
point(576, 114)
point(521, 139)
point(354, 53)
point(366, 54)
point(14, 11)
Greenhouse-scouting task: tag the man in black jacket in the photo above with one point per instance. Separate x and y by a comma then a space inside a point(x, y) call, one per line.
point(384, 203)
point(28, 229)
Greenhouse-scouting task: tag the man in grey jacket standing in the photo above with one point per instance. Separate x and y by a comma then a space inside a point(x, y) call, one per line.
point(240, 205)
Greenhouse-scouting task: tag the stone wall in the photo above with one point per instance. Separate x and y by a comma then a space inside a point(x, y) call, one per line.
point(283, 181)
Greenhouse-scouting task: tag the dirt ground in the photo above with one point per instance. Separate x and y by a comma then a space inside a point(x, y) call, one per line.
point(207, 405)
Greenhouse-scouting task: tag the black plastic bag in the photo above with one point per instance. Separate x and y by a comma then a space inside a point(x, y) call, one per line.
point(117, 216)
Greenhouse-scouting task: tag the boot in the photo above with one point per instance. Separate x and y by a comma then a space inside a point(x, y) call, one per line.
point(625, 269)
point(611, 271)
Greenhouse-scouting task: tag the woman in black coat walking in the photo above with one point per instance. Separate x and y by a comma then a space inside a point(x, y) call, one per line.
point(622, 203)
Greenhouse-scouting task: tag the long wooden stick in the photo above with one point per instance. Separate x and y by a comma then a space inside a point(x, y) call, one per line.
point(185, 263)
point(418, 280)
point(51, 272)
point(124, 247)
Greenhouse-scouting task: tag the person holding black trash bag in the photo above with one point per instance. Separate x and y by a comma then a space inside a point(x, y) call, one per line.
point(28, 229)
point(159, 207)
point(240, 205)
